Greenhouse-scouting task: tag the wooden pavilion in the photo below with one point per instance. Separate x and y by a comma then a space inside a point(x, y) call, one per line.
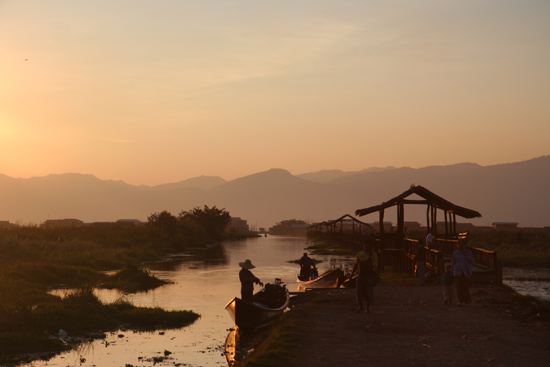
point(433, 203)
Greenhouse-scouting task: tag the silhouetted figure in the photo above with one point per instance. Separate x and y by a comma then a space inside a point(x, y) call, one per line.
point(306, 267)
point(461, 262)
point(365, 261)
point(247, 280)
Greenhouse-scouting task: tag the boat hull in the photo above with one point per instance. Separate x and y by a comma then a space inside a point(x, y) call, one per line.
point(350, 282)
point(248, 315)
point(331, 279)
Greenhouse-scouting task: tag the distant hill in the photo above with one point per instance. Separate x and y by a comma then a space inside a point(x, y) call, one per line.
point(329, 175)
point(202, 182)
point(514, 192)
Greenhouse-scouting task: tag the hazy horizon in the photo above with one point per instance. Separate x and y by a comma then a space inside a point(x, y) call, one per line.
point(514, 192)
point(150, 92)
point(265, 170)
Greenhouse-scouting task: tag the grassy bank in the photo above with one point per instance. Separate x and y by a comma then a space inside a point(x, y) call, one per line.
point(35, 260)
point(40, 328)
point(516, 249)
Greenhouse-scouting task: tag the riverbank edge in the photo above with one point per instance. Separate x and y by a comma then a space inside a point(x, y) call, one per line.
point(278, 343)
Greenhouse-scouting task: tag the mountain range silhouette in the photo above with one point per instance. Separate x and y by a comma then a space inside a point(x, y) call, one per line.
point(513, 192)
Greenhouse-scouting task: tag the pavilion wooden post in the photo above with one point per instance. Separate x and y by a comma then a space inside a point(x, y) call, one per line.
point(446, 224)
point(428, 222)
point(381, 225)
point(434, 219)
point(455, 233)
point(400, 218)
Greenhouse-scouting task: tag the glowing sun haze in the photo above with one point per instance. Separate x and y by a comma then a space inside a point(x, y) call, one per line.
point(151, 92)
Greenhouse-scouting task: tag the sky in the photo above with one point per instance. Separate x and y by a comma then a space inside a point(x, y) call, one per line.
point(152, 92)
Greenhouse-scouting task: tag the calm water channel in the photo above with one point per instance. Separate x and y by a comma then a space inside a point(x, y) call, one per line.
point(205, 286)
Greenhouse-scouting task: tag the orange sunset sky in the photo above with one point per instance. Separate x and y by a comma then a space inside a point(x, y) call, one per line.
point(151, 92)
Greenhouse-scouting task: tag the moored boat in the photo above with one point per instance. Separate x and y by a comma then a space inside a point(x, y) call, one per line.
point(268, 303)
point(350, 281)
point(331, 279)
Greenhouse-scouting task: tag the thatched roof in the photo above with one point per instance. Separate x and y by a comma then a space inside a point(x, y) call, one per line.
point(430, 199)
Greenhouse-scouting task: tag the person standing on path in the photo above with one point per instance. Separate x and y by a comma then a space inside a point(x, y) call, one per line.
point(461, 263)
point(247, 280)
point(365, 261)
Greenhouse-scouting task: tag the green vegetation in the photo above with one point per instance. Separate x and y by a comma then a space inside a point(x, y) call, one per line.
point(34, 260)
point(515, 248)
point(329, 248)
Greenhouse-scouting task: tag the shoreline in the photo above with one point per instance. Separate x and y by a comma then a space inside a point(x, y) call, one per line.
point(409, 326)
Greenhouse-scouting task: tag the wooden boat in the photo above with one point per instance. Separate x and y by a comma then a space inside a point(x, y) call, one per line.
point(350, 282)
point(331, 279)
point(267, 304)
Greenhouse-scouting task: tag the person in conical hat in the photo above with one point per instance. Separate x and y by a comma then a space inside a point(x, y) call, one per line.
point(247, 280)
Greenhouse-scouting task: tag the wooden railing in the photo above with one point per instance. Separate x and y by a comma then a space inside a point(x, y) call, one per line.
point(392, 249)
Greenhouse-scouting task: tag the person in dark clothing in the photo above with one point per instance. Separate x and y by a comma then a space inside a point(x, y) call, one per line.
point(247, 280)
point(365, 262)
point(306, 267)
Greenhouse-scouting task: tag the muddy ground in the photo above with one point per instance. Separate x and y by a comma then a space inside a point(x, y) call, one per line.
point(411, 326)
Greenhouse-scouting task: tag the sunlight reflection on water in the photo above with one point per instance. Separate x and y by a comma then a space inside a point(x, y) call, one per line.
point(203, 286)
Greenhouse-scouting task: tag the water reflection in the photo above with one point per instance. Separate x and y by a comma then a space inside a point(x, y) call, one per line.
point(203, 282)
point(532, 282)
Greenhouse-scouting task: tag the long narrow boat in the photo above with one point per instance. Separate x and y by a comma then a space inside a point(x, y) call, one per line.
point(331, 279)
point(350, 282)
point(267, 304)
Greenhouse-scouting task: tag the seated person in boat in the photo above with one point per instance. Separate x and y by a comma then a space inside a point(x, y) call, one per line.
point(247, 280)
point(306, 267)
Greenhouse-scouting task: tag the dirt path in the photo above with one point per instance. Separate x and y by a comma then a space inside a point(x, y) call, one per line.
point(410, 326)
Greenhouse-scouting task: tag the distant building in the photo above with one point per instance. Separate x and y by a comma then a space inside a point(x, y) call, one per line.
point(290, 227)
point(412, 226)
point(505, 226)
point(62, 223)
point(388, 228)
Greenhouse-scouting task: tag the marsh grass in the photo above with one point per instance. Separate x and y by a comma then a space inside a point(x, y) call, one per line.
point(132, 279)
point(516, 248)
point(34, 260)
point(329, 248)
point(78, 312)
